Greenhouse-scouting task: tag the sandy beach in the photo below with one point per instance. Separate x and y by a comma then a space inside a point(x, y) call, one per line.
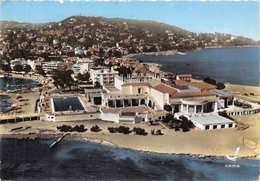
point(250, 93)
point(217, 143)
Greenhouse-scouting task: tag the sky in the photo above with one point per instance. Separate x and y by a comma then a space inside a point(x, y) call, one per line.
point(239, 18)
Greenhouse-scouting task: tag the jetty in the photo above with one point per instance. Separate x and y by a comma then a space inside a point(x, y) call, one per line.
point(58, 140)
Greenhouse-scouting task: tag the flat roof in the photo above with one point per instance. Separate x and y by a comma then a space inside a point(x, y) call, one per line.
point(221, 93)
point(111, 88)
point(138, 109)
point(211, 119)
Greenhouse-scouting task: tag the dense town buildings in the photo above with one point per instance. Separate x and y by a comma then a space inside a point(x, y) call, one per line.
point(122, 88)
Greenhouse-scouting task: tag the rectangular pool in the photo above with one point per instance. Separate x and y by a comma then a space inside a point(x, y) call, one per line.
point(62, 104)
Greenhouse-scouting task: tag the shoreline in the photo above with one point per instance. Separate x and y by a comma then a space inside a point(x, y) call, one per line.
point(221, 46)
point(107, 143)
point(168, 52)
point(213, 143)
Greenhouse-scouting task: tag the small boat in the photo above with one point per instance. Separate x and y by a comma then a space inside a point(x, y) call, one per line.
point(181, 53)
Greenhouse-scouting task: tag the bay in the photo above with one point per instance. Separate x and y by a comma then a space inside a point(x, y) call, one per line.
point(16, 83)
point(235, 65)
point(11, 83)
point(82, 160)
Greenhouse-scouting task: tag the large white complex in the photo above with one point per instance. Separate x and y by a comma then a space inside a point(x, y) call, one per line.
point(198, 101)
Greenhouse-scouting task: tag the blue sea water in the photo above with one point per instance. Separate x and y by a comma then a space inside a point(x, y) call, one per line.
point(10, 83)
point(82, 160)
point(4, 102)
point(236, 65)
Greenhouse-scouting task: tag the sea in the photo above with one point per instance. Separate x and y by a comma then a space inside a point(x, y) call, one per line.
point(26, 160)
point(235, 65)
point(12, 83)
point(23, 159)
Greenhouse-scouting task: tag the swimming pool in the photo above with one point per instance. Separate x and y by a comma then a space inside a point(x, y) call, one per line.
point(63, 104)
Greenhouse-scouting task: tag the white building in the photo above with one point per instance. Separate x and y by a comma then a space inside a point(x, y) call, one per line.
point(82, 65)
point(103, 76)
point(18, 61)
point(49, 66)
point(55, 41)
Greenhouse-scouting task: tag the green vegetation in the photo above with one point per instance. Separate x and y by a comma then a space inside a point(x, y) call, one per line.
point(139, 131)
point(173, 123)
point(120, 129)
point(95, 128)
point(156, 132)
point(219, 85)
point(67, 128)
point(126, 130)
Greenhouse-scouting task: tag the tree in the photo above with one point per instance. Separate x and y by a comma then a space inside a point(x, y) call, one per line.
point(101, 52)
point(210, 81)
point(123, 129)
point(38, 69)
point(186, 124)
point(86, 76)
point(220, 85)
point(80, 128)
point(95, 128)
point(168, 107)
point(139, 131)
point(6, 68)
point(117, 54)
point(79, 77)
point(97, 85)
point(159, 132)
point(112, 130)
point(153, 49)
point(168, 118)
point(27, 68)
point(63, 79)
point(18, 68)
point(64, 128)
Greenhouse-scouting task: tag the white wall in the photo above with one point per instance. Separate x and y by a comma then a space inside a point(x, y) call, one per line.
point(159, 97)
point(118, 83)
point(128, 119)
point(110, 117)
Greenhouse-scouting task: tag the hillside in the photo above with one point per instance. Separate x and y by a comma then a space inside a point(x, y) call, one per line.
point(109, 31)
point(4, 25)
point(152, 26)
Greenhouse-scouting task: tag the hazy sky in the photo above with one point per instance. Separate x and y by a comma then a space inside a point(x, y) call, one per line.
point(233, 17)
